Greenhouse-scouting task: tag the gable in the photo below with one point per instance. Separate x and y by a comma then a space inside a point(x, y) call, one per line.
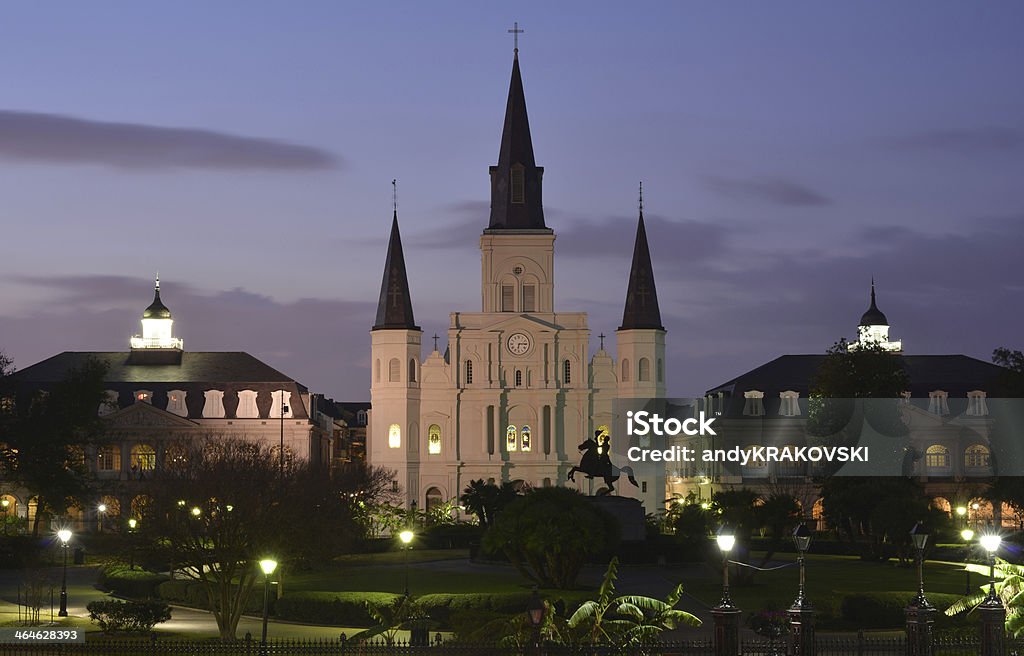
point(145, 415)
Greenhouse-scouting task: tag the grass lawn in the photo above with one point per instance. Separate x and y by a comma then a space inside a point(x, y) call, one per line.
point(827, 575)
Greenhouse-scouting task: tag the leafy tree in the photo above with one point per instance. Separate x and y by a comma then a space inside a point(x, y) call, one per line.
point(692, 524)
point(44, 434)
point(548, 534)
point(486, 500)
point(779, 514)
point(1012, 380)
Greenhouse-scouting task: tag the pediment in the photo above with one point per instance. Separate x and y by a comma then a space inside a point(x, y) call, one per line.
point(521, 322)
point(145, 415)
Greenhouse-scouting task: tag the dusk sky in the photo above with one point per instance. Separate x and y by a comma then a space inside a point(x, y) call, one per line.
point(789, 151)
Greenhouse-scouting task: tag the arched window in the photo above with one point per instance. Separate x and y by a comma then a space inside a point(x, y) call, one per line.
point(625, 370)
point(175, 456)
point(412, 371)
point(434, 439)
point(108, 458)
point(276, 459)
point(469, 372)
point(753, 404)
point(519, 377)
point(112, 506)
point(977, 456)
point(142, 458)
point(176, 403)
point(525, 439)
point(644, 370)
point(510, 439)
point(567, 372)
point(394, 371)
point(790, 404)
point(936, 457)
point(394, 436)
point(361, 417)
point(434, 499)
point(140, 505)
point(942, 503)
point(376, 370)
point(518, 184)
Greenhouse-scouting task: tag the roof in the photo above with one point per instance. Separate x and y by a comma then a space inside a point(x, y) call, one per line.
point(516, 153)
point(873, 316)
point(641, 311)
point(394, 308)
point(156, 309)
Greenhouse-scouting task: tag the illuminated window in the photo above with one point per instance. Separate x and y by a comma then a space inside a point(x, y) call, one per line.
point(625, 370)
point(529, 298)
point(175, 456)
point(644, 370)
point(434, 439)
point(412, 371)
point(976, 406)
point(394, 371)
point(753, 405)
point(567, 372)
point(937, 402)
point(176, 403)
point(790, 406)
point(247, 405)
point(525, 438)
point(142, 458)
point(213, 408)
point(143, 396)
point(977, 456)
point(108, 458)
point(511, 439)
point(280, 406)
point(937, 457)
point(113, 506)
point(518, 184)
point(519, 377)
point(394, 436)
point(469, 372)
point(508, 294)
point(140, 505)
point(275, 456)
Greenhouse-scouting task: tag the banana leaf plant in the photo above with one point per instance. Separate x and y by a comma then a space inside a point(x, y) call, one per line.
point(1010, 589)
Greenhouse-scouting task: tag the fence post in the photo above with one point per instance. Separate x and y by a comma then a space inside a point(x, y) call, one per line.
point(727, 628)
point(920, 619)
point(993, 619)
point(801, 630)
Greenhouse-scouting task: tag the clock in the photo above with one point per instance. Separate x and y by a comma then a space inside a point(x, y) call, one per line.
point(518, 343)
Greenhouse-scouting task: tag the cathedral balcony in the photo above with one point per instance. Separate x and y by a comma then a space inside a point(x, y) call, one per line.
point(157, 343)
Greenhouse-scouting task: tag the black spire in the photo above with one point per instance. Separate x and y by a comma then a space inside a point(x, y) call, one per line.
point(394, 309)
point(516, 180)
point(156, 309)
point(641, 297)
point(874, 316)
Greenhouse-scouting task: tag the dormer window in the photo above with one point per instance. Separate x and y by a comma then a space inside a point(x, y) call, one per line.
point(790, 406)
point(518, 184)
point(753, 405)
point(143, 396)
point(176, 403)
point(938, 402)
point(247, 405)
point(976, 406)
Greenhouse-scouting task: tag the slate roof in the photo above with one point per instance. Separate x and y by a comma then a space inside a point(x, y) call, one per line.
point(394, 307)
point(641, 309)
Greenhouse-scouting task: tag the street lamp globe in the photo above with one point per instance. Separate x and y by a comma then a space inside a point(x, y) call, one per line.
point(967, 535)
point(990, 542)
point(725, 538)
point(65, 535)
point(5, 502)
point(196, 511)
point(132, 523)
point(406, 536)
point(268, 566)
point(535, 609)
point(802, 538)
point(961, 510)
point(919, 534)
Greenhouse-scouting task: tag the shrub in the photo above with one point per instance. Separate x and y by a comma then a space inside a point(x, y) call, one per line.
point(884, 610)
point(447, 608)
point(113, 615)
point(335, 608)
point(134, 583)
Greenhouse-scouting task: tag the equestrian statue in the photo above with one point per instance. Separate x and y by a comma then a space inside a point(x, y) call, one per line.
point(597, 463)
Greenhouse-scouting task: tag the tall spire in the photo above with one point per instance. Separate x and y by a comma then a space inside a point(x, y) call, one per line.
point(156, 309)
point(394, 309)
point(516, 180)
point(873, 316)
point(641, 310)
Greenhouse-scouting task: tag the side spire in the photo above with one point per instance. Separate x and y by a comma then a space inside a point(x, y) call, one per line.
point(394, 309)
point(641, 311)
point(516, 180)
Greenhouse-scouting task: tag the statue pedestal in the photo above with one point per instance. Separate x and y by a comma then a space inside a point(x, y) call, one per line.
point(628, 512)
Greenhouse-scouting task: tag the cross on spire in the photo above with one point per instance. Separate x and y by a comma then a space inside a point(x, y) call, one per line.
point(601, 337)
point(435, 341)
point(515, 32)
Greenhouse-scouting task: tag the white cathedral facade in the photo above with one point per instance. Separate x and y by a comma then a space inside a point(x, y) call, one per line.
point(516, 391)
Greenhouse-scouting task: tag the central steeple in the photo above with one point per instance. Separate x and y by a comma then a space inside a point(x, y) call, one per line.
point(516, 180)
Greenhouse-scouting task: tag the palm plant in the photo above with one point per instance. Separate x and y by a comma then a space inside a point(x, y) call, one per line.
point(1009, 588)
point(404, 614)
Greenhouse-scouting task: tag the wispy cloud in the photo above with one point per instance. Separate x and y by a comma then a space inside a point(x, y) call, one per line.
point(52, 138)
point(778, 191)
point(963, 141)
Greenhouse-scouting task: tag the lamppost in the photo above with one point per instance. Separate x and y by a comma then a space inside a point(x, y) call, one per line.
point(993, 613)
point(726, 615)
point(919, 613)
point(967, 535)
point(801, 613)
point(65, 536)
point(406, 537)
point(535, 615)
point(132, 525)
point(961, 512)
point(101, 510)
point(4, 504)
point(268, 566)
point(284, 410)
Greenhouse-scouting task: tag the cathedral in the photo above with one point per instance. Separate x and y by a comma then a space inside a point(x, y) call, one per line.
point(516, 391)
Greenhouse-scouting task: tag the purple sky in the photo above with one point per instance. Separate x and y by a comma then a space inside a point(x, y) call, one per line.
point(788, 151)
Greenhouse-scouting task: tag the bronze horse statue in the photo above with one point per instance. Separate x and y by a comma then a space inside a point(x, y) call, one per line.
point(596, 463)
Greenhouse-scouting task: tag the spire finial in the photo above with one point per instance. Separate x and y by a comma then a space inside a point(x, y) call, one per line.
point(157, 287)
point(515, 32)
point(394, 195)
point(641, 197)
point(872, 290)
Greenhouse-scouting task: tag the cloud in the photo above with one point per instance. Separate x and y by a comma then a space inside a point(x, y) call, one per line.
point(766, 189)
point(967, 141)
point(51, 138)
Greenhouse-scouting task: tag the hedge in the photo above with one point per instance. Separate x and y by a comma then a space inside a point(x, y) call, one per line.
point(334, 608)
point(193, 593)
point(135, 616)
point(134, 583)
point(884, 610)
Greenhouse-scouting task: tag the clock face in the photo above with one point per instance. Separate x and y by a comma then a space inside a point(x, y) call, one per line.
point(518, 343)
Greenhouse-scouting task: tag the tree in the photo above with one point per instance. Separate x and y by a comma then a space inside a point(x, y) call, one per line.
point(548, 534)
point(403, 614)
point(778, 515)
point(1012, 380)
point(43, 435)
point(486, 500)
point(223, 506)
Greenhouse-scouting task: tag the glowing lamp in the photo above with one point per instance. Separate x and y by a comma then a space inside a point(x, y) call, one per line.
point(406, 536)
point(196, 511)
point(65, 535)
point(967, 535)
point(132, 523)
point(961, 510)
point(535, 610)
point(5, 503)
point(268, 566)
point(725, 538)
point(102, 508)
point(990, 542)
